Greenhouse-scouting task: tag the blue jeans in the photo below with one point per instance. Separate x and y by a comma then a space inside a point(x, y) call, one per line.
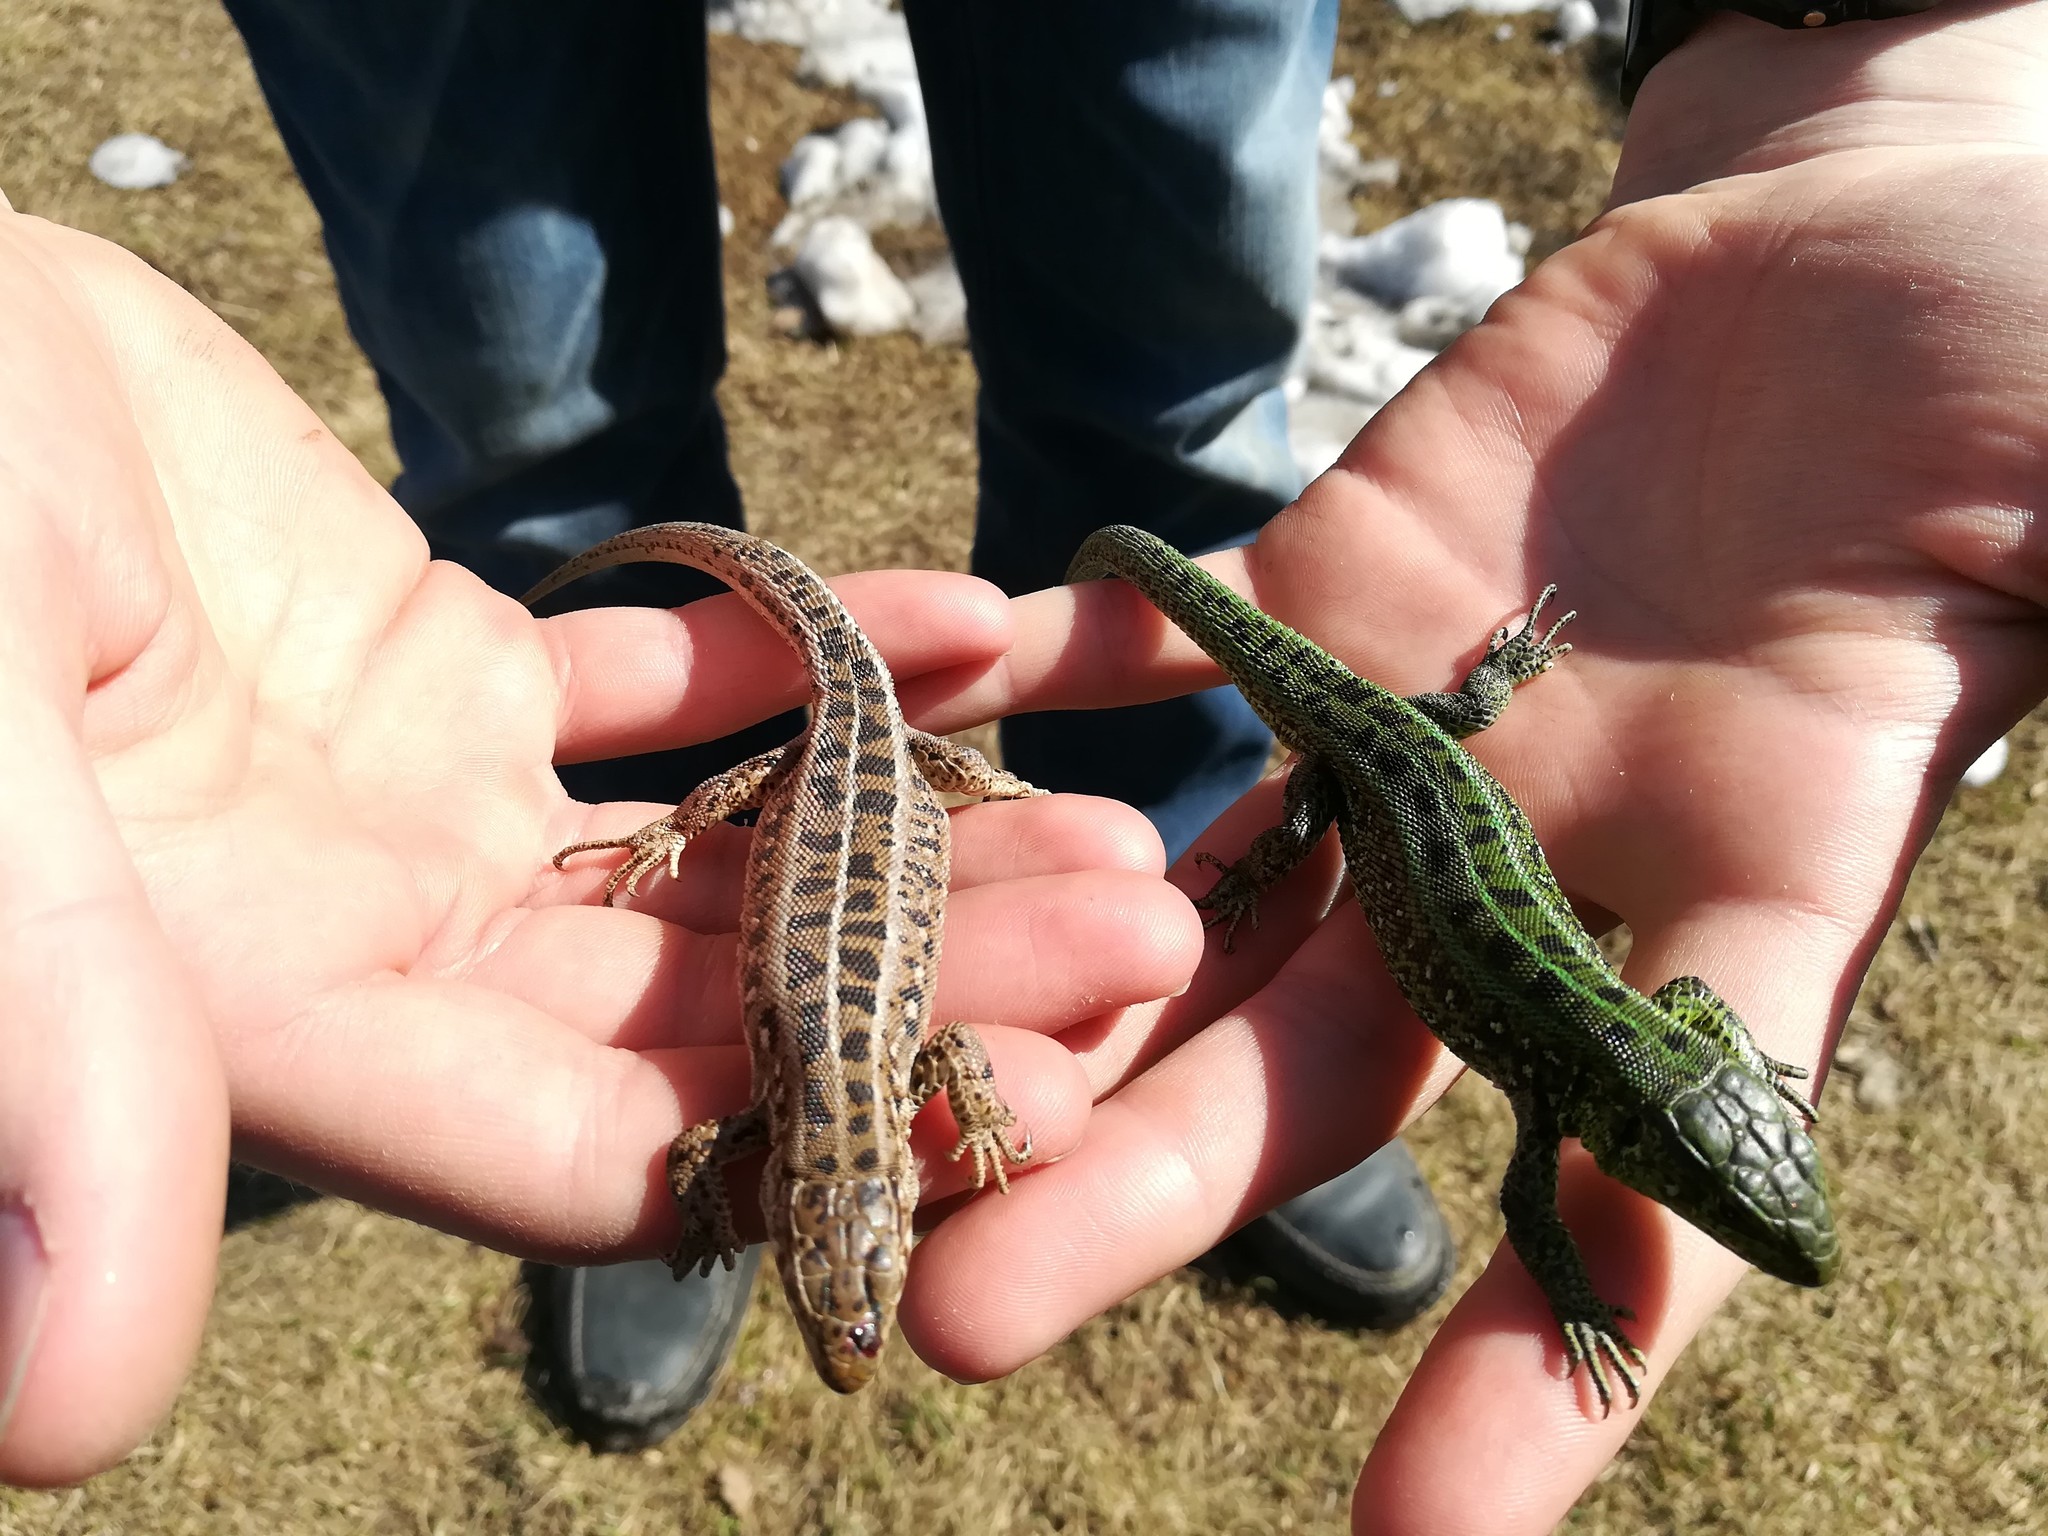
point(521, 208)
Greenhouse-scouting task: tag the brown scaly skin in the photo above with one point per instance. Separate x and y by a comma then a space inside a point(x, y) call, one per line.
point(840, 922)
point(1667, 1091)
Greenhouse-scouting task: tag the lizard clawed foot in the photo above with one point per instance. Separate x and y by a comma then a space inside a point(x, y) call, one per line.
point(708, 1235)
point(696, 1177)
point(990, 1147)
point(656, 844)
point(1522, 653)
point(1600, 1348)
point(1780, 1071)
point(708, 1238)
point(1233, 899)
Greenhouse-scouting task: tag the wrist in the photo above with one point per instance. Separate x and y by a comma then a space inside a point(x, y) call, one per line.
point(1741, 95)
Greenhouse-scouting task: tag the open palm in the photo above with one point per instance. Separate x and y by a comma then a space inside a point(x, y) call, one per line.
point(1781, 441)
point(276, 835)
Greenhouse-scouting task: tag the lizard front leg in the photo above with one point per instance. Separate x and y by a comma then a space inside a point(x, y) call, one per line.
point(1510, 661)
point(955, 1060)
point(1698, 1007)
point(1312, 800)
point(1528, 1199)
point(740, 788)
point(696, 1177)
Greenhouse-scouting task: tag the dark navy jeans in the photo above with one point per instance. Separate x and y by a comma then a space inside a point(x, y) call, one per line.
point(522, 212)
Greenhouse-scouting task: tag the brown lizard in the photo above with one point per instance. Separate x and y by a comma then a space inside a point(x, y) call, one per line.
point(840, 924)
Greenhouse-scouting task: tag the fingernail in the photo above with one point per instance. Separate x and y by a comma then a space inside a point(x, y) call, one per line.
point(24, 1289)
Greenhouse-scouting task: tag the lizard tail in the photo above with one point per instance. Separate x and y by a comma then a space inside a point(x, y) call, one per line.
point(1246, 642)
point(840, 659)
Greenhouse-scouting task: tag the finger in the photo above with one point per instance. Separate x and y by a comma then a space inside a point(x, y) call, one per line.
point(112, 1129)
point(1496, 1369)
point(556, 1147)
point(1046, 835)
point(1319, 1068)
point(1037, 954)
point(1118, 1044)
point(1089, 646)
point(638, 679)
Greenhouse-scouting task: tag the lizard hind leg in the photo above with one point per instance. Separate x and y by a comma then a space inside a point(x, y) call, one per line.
point(696, 1177)
point(954, 1059)
point(1311, 804)
point(1591, 1326)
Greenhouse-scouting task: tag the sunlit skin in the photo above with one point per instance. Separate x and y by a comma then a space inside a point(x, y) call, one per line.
point(1779, 441)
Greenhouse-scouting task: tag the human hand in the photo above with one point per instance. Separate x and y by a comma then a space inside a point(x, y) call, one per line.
point(275, 835)
point(1779, 440)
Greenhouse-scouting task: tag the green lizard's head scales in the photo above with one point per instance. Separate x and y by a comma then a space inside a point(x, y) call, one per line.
point(1728, 1156)
point(843, 1264)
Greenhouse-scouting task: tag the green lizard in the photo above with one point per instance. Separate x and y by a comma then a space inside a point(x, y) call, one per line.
point(1668, 1092)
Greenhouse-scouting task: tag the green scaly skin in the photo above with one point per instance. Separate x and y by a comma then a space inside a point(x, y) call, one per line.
point(1668, 1092)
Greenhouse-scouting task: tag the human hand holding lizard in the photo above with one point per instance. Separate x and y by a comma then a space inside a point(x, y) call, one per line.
point(1779, 441)
point(275, 833)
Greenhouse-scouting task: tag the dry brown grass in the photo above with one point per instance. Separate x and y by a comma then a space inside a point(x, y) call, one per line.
point(361, 1375)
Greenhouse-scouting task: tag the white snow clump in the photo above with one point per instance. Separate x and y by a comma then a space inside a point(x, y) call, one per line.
point(853, 287)
point(137, 161)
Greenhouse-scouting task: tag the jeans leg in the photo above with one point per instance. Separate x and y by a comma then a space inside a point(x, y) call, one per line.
point(1130, 192)
point(521, 208)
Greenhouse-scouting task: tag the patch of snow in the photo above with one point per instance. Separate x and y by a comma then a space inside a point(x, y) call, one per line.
point(810, 174)
point(1576, 21)
point(941, 306)
point(1456, 249)
point(135, 162)
point(796, 22)
point(1389, 301)
point(1988, 766)
point(1385, 302)
point(1320, 426)
point(863, 143)
point(854, 289)
point(1609, 18)
point(1433, 321)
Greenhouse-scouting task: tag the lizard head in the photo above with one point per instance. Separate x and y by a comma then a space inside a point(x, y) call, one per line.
point(1728, 1155)
point(843, 1254)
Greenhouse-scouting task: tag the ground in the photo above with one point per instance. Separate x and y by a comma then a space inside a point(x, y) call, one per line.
point(362, 1375)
